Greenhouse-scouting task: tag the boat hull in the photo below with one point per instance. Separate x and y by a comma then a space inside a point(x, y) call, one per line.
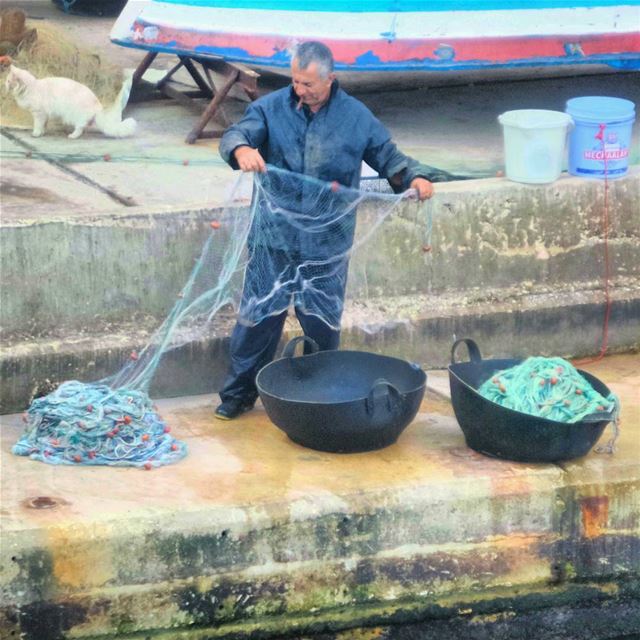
point(382, 41)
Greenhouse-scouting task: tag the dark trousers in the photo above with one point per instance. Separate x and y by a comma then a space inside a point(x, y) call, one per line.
point(252, 347)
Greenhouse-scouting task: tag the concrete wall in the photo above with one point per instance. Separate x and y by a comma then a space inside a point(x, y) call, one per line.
point(488, 234)
point(78, 294)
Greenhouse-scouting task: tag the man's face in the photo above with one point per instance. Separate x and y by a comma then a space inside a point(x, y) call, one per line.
point(312, 89)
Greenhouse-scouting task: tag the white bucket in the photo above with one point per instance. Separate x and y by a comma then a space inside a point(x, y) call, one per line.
point(534, 144)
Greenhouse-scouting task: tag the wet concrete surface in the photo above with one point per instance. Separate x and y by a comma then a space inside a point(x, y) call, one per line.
point(249, 460)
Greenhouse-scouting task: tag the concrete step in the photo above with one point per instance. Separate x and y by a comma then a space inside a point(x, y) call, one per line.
point(564, 323)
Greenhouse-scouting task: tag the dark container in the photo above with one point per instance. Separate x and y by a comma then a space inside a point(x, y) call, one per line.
point(340, 401)
point(504, 433)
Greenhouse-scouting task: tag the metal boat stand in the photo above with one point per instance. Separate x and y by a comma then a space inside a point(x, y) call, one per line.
point(209, 86)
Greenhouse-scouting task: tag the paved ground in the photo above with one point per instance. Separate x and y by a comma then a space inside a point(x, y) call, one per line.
point(453, 127)
point(249, 466)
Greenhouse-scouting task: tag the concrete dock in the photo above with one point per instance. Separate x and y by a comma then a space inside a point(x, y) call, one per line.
point(252, 536)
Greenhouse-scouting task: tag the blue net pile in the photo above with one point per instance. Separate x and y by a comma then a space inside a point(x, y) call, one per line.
point(549, 388)
point(92, 424)
point(300, 236)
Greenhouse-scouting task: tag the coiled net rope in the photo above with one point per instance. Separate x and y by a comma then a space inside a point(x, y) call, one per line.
point(308, 226)
point(550, 388)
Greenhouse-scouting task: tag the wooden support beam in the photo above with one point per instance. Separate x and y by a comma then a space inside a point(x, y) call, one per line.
point(143, 66)
point(197, 78)
point(247, 78)
point(168, 75)
point(209, 112)
point(222, 114)
point(208, 87)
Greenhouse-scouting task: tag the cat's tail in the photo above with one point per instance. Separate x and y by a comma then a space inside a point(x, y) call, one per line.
point(113, 126)
point(110, 121)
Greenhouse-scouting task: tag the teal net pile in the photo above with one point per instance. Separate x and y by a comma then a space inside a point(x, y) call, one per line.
point(550, 388)
point(299, 236)
point(96, 425)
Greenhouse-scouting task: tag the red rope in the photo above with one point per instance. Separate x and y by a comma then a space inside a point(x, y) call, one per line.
point(607, 266)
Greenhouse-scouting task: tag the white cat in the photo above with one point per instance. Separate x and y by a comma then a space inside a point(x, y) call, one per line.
point(72, 102)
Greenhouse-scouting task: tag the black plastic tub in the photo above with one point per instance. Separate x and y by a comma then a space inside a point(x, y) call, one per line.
point(504, 433)
point(341, 401)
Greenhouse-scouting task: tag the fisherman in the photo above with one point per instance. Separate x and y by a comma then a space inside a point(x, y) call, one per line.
point(316, 129)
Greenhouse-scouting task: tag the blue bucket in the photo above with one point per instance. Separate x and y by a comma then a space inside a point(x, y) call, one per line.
point(600, 141)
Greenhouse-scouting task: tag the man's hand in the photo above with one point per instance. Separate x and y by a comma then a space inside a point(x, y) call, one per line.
point(423, 187)
point(249, 159)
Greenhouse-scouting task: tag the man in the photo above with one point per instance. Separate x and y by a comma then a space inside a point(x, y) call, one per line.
point(313, 128)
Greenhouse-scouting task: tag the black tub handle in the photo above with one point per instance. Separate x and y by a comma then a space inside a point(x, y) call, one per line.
point(472, 348)
point(393, 396)
point(290, 347)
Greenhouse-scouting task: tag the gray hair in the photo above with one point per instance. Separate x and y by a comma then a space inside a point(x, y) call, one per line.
point(313, 51)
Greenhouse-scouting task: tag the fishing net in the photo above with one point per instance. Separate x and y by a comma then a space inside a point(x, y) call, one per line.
point(549, 388)
point(283, 238)
point(95, 424)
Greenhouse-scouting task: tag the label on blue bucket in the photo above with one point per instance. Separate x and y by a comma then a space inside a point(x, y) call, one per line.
point(599, 143)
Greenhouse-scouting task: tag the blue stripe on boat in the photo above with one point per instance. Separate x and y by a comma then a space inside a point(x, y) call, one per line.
point(369, 62)
point(395, 6)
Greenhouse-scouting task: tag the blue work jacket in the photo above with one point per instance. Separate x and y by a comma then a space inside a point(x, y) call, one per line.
point(329, 145)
